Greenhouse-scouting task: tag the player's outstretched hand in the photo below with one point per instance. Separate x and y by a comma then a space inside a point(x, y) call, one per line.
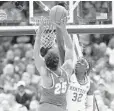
point(42, 27)
point(45, 26)
point(62, 24)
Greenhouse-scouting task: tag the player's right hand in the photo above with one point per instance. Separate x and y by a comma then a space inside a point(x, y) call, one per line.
point(42, 27)
point(45, 26)
point(62, 24)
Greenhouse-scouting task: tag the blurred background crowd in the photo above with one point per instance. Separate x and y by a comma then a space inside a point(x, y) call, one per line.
point(19, 79)
point(88, 12)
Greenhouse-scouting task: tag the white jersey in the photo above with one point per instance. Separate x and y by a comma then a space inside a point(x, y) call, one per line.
point(77, 94)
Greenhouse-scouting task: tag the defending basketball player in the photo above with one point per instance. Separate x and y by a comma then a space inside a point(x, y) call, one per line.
point(54, 76)
point(80, 92)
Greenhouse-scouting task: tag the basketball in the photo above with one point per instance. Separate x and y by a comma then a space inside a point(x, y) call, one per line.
point(57, 13)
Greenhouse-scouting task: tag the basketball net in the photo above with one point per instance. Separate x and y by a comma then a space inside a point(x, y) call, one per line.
point(48, 36)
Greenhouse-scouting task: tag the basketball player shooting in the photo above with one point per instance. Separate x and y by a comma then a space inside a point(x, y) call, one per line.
point(57, 13)
point(79, 80)
point(53, 75)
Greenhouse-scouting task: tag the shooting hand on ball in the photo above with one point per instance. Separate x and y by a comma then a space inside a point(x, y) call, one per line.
point(62, 24)
point(45, 26)
point(42, 27)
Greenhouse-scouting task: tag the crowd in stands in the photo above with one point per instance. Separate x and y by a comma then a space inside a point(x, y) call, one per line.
point(18, 12)
point(19, 79)
point(96, 10)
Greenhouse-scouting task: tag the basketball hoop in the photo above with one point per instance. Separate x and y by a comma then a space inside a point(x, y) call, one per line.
point(36, 21)
point(48, 36)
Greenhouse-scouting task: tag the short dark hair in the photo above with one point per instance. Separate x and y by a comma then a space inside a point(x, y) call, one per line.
point(52, 60)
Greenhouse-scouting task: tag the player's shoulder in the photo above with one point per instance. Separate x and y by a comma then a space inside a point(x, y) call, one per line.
point(72, 78)
point(68, 66)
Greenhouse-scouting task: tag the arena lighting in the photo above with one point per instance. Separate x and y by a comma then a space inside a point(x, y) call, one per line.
point(30, 30)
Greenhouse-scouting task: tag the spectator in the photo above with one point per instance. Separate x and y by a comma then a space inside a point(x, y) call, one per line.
point(28, 57)
point(17, 53)
point(111, 43)
point(31, 70)
point(26, 77)
point(28, 47)
point(14, 106)
point(9, 57)
point(21, 96)
point(7, 78)
point(3, 96)
point(5, 106)
point(84, 39)
point(104, 92)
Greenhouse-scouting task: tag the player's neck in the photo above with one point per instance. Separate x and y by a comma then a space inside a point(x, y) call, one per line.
point(80, 77)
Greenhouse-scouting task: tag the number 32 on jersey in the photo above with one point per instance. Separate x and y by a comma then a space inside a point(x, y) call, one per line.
point(77, 97)
point(60, 88)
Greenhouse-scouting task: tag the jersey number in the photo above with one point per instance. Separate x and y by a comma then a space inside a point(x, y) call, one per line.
point(77, 97)
point(61, 88)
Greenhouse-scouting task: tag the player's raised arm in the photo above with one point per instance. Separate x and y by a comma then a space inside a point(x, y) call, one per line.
point(39, 62)
point(67, 40)
point(60, 42)
point(68, 62)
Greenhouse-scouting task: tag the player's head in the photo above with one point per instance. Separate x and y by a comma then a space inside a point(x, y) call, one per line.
point(82, 66)
point(52, 59)
point(21, 86)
